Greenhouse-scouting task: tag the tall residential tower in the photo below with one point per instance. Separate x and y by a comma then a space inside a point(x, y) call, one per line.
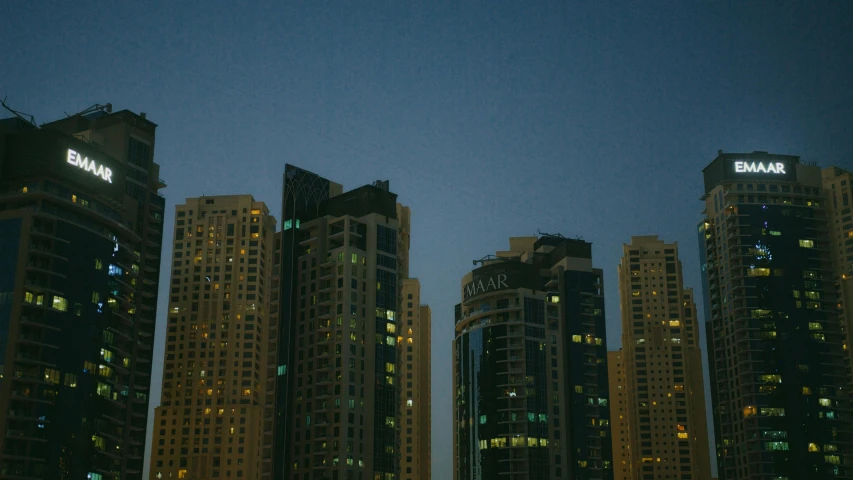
point(620, 430)
point(80, 237)
point(414, 337)
point(211, 416)
point(778, 375)
point(663, 365)
point(838, 189)
point(338, 392)
point(530, 366)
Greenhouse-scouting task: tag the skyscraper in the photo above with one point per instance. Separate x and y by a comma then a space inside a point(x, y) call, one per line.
point(211, 416)
point(778, 376)
point(837, 184)
point(620, 425)
point(414, 336)
point(80, 239)
point(343, 256)
point(530, 365)
point(662, 365)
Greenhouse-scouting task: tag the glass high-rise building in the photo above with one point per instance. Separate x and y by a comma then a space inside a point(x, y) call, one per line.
point(210, 421)
point(781, 398)
point(81, 223)
point(530, 366)
point(663, 381)
point(338, 390)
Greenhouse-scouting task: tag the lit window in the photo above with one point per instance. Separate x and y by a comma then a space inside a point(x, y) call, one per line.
point(758, 272)
point(60, 303)
point(813, 447)
point(807, 243)
point(576, 338)
point(824, 402)
point(409, 402)
point(28, 297)
point(256, 211)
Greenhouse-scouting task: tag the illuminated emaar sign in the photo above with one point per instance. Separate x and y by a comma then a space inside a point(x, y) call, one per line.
point(479, 286)
point(759, 167)
point(90, 166)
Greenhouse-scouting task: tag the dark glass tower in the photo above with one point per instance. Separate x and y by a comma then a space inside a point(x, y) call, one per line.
point(343, 257)
point(530, 366)
point(778, 377)
point(80, 238)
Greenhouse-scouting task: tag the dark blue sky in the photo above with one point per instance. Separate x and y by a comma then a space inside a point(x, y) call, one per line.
point(491, 119)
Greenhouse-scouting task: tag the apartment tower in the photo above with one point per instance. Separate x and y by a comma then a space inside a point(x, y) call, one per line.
point(211, 416)
point(620, 430)
point(775, 345)
point(338, 392)
point(415, 377)
point(662, 365)
point(80, 237)
point(837, 184)
point(530, 365)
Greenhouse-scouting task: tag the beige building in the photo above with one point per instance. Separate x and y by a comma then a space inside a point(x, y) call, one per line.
point(837, 185)
point(415, 377)
point(209, 422)
point(663, 364)
point(620, 401)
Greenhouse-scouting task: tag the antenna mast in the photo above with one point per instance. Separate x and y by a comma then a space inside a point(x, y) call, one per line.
point(20, 115)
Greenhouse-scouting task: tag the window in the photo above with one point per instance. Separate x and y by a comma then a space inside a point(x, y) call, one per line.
point(807, 243)
point(51, 376)
point(60, 303)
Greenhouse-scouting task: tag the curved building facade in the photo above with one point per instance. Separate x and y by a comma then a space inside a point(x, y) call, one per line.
point(530, 366)
point(81, 224)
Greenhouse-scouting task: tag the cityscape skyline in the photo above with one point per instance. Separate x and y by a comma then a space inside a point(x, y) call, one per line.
point(767, 89)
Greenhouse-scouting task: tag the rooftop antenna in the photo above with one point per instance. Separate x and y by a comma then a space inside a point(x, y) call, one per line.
point(20, 115)
point(543, 234)
point(94, 108)
point(493, 257)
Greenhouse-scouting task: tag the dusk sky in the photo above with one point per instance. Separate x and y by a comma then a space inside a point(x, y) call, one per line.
point(490, 119)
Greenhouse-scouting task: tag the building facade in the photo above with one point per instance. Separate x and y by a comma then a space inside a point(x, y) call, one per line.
point(344, 256)
point(662, 365)
point(837, 184)
point(211, 416)
point(530, 366)
point(80, 240)
point(620, 424)
point(415, 376)
point(775, 345)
